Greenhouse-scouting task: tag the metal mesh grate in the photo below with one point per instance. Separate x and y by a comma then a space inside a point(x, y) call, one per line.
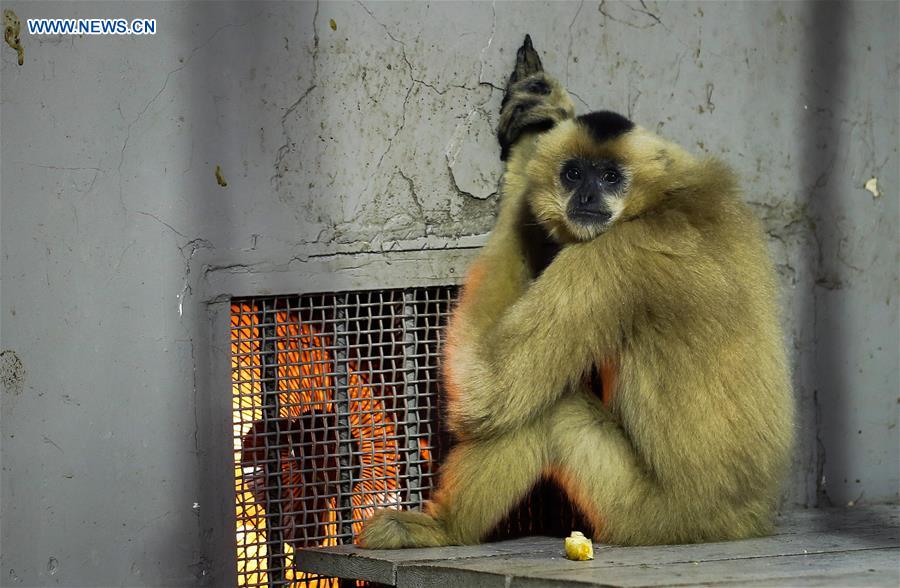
point(335, 405)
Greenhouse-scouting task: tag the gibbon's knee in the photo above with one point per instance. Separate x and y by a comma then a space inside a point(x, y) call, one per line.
point(587, 445)
point(596, 465)
point(609, 478)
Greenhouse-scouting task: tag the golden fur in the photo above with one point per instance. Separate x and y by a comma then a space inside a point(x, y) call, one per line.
point(677, 293)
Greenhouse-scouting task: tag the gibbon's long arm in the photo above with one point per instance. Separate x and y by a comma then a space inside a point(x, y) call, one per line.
point(495, 281)
point(498, 276)
point(518, 248)
point(517, 369)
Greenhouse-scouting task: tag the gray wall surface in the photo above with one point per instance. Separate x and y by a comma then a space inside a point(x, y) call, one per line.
point(362, 155)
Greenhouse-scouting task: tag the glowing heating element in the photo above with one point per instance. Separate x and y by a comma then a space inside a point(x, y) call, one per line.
point(335, 413)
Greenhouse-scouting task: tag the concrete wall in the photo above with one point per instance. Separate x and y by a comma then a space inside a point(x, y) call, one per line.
point(356, 141)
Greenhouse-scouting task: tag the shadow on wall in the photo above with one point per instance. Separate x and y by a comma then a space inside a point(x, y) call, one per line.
point(825, 84)
point(216, 564)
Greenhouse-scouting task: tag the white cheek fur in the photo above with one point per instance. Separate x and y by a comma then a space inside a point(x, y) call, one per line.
point(616, 204)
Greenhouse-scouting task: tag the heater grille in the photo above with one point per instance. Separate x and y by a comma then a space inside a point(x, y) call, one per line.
point(335, 406)
point(336, 412)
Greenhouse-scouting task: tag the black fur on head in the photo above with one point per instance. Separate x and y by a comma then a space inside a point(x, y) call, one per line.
point(605, 125)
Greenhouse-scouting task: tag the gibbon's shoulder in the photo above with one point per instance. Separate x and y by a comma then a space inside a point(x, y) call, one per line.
point(702, 205)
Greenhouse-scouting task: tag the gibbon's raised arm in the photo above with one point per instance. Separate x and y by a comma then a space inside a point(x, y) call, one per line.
point(518, 248)
point(497, 277)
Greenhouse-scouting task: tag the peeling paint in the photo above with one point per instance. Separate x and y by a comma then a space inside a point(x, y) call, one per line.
point(220, 179)
point(872, 186)
point(472, 162)
point(12, 28)
point(12, 372)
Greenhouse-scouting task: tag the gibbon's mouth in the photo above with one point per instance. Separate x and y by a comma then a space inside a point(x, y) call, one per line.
point(588, 218)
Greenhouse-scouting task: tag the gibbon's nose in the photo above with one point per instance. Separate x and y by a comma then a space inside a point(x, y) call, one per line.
point(587, 205)
point(591, 191)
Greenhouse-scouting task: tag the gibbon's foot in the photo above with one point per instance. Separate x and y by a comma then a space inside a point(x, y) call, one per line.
point(534, 102)
point(396, 529)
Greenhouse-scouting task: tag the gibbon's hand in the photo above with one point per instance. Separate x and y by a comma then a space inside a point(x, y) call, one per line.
point(541, 346)
point(534, 102)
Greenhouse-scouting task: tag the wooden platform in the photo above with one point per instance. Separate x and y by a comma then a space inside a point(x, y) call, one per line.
point(852, 547)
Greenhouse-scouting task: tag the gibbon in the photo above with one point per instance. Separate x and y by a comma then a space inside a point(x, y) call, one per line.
point(660, 284)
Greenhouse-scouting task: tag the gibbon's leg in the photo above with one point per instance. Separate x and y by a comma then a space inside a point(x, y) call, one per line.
point(481, 481)
point(630, 499)
point(593, 460)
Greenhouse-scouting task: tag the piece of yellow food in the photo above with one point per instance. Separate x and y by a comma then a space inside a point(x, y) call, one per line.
point(579, 547)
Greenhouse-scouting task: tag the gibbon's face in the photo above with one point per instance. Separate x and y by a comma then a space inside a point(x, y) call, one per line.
point(591, 172)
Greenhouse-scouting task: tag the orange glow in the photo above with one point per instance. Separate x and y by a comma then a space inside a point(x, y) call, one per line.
point(305, 369)
point(608, 375)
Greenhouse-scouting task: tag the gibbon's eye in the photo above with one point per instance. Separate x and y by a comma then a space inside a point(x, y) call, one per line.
point(573, 175)
point(611, 176)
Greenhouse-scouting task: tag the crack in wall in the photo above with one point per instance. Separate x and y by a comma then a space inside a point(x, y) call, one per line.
point(184, 63)
point(162, 222)
point(289, 144)
point(463, 193)
point(390, 140)
point(194, 245)
point(579, 98)
point(414, 195)
point(602, 8)
point(646, 11)
point(488, 46)
point(572, 39)
point(822, 498)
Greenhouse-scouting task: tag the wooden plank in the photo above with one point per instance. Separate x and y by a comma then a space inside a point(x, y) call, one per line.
point(777, 545)
point(380, 565)
point(777, 570)
point(867, 579)
point(414, 576)
point(446, 577)
point(550, 557)
point(799, 533)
